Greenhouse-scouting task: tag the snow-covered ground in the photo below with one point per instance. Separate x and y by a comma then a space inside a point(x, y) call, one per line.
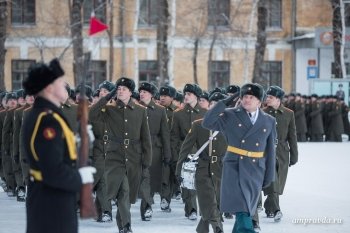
point(316, 199)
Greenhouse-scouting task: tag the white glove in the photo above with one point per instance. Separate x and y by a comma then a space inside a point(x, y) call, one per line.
point(86, 174)
point(91, 134)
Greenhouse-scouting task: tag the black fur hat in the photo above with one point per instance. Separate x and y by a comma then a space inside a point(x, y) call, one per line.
point(204, 95)
point(168, 91)
point(252, 89)
point(88, 91)
point(151, 88)
point(275, 91)
point(232, 89)
point(11, 95)
point(179, 97)
point(109, 86)
point(40, 75)
point(193, 88)
point(126, 82)
point(216, 96)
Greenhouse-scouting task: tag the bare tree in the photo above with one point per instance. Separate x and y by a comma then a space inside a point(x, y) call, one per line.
point(337, 37)
point(3, 22)
point(110, 33)
point(162, 41)
point(260, 45)
point(76, 34)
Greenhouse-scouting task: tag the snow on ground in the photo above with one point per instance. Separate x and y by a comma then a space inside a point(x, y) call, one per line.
point(316, 199)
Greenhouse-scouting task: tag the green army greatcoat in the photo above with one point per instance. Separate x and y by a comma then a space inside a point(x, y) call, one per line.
point(287, 148)
point(208, 173)
point(316, 121)
point(7, 138)
point(182, 121)
point(2, 117)
point(160, 136)
point(17, 124)
point(129, 144)
point(300, 118)
point(22, 156)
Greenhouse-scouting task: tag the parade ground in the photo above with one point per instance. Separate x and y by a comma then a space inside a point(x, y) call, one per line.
point(316, 199)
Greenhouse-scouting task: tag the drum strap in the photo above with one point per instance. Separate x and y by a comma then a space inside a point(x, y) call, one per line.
point(196, 155)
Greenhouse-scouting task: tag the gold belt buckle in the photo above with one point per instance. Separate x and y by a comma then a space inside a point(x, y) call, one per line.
point(249, 154)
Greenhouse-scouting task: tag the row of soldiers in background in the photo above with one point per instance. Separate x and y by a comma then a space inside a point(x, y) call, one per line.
point(319, 118)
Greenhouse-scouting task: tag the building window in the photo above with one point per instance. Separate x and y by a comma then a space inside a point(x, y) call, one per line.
point(148, 72)
point(218, 12)
point(347, 14)
point(97, 74)
point(19, 72)
point(23, 12)
point(96, 6)
point(219, 74)
point(272, 73)
point(274, 14)
point(148, 13)
point(347, 69)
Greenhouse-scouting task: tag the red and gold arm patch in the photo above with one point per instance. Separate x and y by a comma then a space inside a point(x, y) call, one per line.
point(49, 133)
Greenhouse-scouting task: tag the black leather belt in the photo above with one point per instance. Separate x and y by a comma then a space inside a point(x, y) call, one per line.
point(124, 141)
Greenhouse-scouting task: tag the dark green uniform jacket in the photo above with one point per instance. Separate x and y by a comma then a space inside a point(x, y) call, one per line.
point(52, 191)
point(208, 173)
point(182, 121)
point(129, 144)
point(160, 136)
point(287, 148)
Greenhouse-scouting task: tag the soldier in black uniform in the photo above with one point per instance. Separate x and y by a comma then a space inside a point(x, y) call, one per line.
point(50, 148)
point(182, 122)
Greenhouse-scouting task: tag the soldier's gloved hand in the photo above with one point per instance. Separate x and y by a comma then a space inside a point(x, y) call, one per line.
point(87, 174)
point(228, 101)
point(145, 172)
point(91, 134)
point(111, 94)
point(166, 162)
point(291, 163)
point(179, 179)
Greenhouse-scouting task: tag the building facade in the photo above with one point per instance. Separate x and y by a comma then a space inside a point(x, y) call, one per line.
point(226, 29)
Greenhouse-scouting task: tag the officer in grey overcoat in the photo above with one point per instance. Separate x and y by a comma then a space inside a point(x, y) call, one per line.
point(286, 150)
point(249, 163)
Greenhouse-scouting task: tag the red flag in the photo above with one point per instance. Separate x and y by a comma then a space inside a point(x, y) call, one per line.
point(96, 25)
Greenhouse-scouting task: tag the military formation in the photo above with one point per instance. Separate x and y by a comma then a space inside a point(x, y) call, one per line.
point(143, 135)
point(319, 118)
